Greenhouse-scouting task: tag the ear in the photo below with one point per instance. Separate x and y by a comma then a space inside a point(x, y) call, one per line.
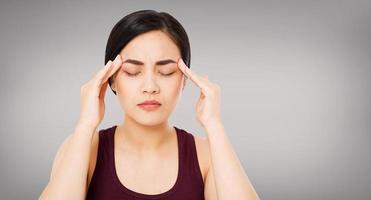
point(113, 83)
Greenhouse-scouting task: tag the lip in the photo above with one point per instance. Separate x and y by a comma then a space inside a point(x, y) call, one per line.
point(150, 102)
point(149, 105)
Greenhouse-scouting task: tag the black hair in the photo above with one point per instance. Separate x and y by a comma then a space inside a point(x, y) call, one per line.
point(143, 21)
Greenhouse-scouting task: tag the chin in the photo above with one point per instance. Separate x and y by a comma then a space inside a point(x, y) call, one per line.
point(150, 118)
point(149, 122)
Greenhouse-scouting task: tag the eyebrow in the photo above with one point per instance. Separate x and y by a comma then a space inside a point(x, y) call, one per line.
point(160, 62)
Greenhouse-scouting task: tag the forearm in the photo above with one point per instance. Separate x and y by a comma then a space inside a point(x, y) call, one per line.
point(69, 179)
point(230, 178)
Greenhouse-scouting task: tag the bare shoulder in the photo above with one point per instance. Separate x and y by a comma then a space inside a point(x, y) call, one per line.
point(93, 156)
point(203, 154)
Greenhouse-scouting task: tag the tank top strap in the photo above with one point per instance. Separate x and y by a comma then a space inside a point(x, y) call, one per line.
point(192, 175)
point(105, 144)
point(101, 185)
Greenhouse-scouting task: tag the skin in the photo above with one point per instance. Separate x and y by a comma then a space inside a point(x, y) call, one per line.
point(144, 130)
point(147, 132)
point(146, 138)
point(145, 143)
point(225, 170)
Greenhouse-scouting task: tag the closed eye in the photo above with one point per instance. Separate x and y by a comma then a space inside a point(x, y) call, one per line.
point(168, 74)
point(129, 74)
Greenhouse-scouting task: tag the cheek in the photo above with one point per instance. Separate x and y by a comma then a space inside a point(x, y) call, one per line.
point(173, 82)
point(127, 89)
point(172, 88)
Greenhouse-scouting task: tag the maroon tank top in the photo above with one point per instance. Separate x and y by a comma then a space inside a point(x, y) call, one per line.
point(106, 185)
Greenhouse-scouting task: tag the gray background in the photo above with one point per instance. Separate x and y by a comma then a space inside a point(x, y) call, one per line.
point(295, 79)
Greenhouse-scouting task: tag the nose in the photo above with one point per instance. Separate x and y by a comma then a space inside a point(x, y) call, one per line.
point(150, 85)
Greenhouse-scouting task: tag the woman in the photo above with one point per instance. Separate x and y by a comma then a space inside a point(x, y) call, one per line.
point(145, 157)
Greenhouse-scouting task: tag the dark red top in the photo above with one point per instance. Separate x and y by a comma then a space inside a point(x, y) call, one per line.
point(106, 185)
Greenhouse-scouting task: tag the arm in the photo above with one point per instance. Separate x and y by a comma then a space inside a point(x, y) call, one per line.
point(229, 177)
point(68, 178)
point(231, 182)
point(70, 171)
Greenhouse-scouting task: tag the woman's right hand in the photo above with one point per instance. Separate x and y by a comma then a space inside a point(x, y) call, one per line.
point(93, 92)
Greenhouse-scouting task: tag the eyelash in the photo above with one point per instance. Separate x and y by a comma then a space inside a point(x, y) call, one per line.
point(139, 72)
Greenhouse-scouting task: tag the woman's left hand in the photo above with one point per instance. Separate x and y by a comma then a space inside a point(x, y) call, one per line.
point(208, 105)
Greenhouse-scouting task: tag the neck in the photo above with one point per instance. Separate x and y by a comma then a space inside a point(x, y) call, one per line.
point(142, 138)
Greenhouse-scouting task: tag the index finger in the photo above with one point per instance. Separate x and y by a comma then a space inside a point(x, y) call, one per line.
point(190, 74)
point(108, 70)
point(116, 66)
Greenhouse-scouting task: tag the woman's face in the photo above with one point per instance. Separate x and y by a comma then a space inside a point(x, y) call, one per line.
point(149, 72)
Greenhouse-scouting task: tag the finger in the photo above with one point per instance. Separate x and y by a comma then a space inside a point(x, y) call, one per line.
point(103, 71)
point(116, 66)
point(190, 74)
point(103, 90)
point(200, 81)
point(101, 77)
point(205, 79)
point(212, 86)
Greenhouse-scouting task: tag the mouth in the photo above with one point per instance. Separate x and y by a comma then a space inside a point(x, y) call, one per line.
point(149, 107)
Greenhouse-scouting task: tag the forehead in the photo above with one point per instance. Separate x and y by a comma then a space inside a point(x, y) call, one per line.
point(151, 45)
